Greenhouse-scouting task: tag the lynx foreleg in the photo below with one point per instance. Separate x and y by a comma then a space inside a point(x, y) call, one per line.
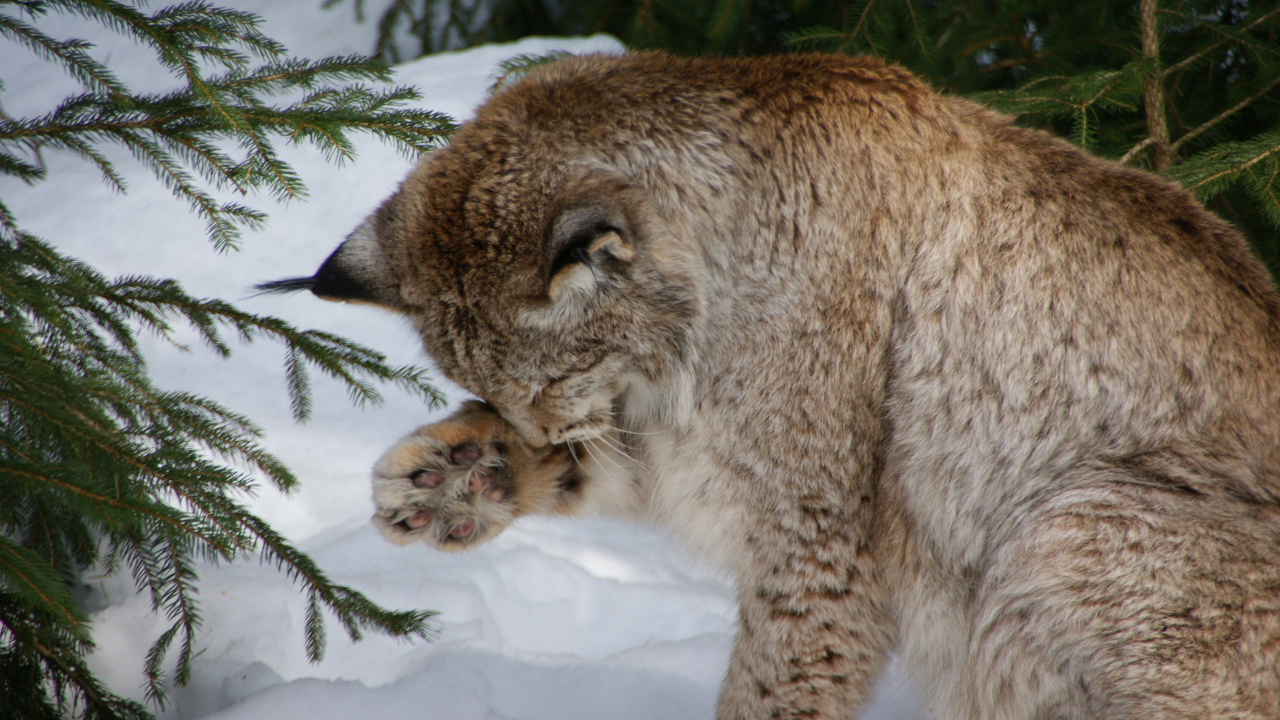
point(814, 631)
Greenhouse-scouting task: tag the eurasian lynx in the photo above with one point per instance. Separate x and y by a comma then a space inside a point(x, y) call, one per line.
point(921, 379)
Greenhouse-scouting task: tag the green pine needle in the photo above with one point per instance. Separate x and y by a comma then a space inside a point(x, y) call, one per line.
point(514, 68)
point(96, 464)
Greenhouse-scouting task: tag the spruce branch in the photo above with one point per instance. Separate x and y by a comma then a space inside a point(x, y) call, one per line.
point(514, 68)
point(355, 612)
point(863, 16)
point(1132, 152)
point(1203, 173)
point(100, 466)
point(177, 133)
point(1208, 125)
point(134, 463)
point(819, 37)
point(69, 53)
point(727, 19)
point(45, 675)
point(1078, 98)
point(27, 578)
point(1228, 38)
point(1254, 163)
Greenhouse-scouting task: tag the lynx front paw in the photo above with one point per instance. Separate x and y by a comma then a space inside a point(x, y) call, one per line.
point(459, 482)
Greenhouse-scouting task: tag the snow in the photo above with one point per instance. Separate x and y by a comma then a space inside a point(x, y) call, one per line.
point(562, 619)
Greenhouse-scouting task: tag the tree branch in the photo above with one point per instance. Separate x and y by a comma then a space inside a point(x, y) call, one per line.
point(1226, 114)
point(1190, 59)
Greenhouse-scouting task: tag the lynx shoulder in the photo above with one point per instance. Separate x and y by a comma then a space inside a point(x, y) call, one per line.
point(924, 381)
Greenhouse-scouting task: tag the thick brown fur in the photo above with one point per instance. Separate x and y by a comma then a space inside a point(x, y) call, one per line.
point(922, 380)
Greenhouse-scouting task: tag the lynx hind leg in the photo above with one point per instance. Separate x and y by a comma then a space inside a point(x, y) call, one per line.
point(1132, 601)
point(459, 482)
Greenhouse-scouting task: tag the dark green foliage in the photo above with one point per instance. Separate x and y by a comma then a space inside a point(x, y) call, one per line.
point(1077, 67)
point(97, 465)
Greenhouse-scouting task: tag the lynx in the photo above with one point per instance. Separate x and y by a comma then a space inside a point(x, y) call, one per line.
point(923, 381)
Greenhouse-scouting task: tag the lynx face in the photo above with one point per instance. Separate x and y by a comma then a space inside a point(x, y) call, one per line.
point(529, 278)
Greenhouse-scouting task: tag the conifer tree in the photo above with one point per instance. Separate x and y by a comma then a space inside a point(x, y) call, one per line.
point(100, 467)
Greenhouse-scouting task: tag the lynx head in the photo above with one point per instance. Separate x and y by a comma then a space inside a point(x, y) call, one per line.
point(531, 257)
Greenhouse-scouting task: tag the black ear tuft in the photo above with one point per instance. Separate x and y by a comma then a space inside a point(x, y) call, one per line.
point(343, 277)
point(353, 273)
point(290, 285)
point(335, 280)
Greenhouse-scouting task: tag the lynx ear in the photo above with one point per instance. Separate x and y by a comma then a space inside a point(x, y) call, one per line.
point(586, 245)
point(355, 272)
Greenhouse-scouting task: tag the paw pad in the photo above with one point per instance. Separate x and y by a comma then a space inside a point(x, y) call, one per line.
point(449, 495)
point(427, 479)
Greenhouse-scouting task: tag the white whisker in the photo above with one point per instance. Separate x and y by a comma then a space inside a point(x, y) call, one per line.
point(604, 456)
point(637, 433)
point(616, 446)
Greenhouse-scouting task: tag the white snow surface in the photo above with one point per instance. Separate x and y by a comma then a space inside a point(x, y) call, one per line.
point(563, 619)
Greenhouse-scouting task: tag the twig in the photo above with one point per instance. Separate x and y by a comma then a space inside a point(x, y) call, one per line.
point(1208, 49)
point(1256, 159)
point(1124, 159)
point(1225, 114)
